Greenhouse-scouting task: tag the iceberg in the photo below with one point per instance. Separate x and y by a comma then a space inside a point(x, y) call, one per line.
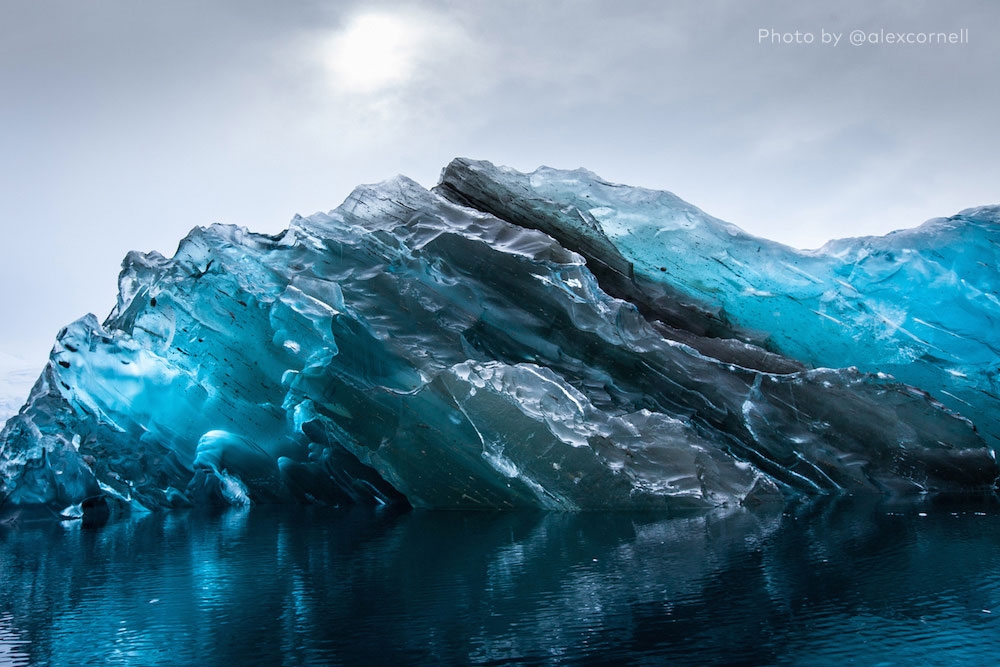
point(509, 340)
point(922, 305)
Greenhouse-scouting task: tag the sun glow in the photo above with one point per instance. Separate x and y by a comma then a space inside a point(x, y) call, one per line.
point(375, 52)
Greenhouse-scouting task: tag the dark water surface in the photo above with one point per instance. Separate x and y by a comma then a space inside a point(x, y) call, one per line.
point(815, 584)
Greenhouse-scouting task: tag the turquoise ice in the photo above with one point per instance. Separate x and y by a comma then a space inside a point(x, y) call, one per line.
point(519, 340)
point(922, 305)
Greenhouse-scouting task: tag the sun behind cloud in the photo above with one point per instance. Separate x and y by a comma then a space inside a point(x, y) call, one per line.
point(380, 50)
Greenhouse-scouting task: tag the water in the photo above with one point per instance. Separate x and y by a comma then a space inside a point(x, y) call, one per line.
point(816, 584)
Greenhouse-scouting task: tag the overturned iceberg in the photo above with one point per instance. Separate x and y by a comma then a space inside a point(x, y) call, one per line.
point(521, 340)
point(921, 304)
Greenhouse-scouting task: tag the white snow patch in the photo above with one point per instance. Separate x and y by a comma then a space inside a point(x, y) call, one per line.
point(17, 376)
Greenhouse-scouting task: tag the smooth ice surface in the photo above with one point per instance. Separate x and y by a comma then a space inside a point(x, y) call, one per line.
point(407, 347)
point(920, 304)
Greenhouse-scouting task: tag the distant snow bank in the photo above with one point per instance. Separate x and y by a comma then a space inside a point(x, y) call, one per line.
point(16, 379)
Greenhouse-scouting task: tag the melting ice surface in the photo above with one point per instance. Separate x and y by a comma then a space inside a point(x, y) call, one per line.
point(521, 340)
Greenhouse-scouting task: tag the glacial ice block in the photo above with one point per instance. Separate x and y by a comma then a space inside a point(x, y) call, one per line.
point(413, 347)
point(922, 305)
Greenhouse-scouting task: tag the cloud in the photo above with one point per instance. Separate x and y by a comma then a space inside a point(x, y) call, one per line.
point(380, 51)
point(125, 124)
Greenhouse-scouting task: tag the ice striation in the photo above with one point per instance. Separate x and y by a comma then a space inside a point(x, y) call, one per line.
point(509, 340)
point(922, 305)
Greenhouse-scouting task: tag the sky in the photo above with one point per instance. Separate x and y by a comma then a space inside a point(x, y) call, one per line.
point(125, 124)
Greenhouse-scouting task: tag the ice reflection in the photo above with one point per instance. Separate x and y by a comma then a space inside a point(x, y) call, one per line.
point(817, 583)
point(13, 649)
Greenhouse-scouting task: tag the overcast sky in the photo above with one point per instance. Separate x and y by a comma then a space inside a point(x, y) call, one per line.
point(123, 124)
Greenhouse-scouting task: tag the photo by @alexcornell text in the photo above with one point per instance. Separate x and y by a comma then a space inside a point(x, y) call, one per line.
point(858, 37)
